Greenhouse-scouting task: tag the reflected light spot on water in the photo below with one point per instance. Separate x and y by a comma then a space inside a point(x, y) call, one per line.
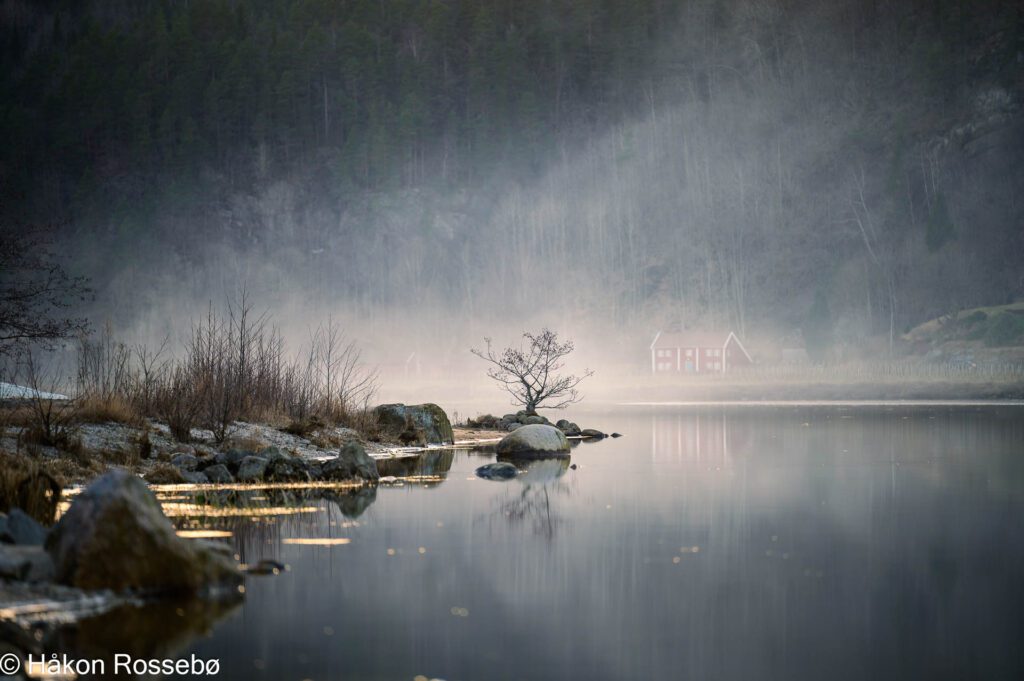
point(422, 550)
point(175, 510)
point(328, 631)
point(316, 541)
point(204, 534)
point(391, 552)
point(460, 612)
point(675, 559)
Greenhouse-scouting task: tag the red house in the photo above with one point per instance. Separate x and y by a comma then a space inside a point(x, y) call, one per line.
point(697, 353)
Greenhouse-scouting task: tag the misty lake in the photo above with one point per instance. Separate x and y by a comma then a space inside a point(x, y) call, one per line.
point(813, 542)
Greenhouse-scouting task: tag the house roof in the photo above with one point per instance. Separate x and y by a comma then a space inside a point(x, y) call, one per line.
point(690, 339)
point(696, 339)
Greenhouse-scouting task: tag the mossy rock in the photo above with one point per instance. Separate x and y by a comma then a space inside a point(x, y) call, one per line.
point(426, 423)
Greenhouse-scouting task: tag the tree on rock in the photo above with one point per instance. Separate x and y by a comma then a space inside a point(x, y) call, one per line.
point(530, 372)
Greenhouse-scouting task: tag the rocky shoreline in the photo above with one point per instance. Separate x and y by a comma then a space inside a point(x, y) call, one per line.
point(112, 546)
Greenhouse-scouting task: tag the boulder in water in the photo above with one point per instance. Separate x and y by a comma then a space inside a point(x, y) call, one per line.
point(420, 424)
point(568, 427)
point(352, 462)
point(497, 471)
point(535, 440)
point(115, 536)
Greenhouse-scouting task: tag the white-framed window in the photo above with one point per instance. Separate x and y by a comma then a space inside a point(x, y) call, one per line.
point(708, 352)
point(718, 365)
point(689, 353)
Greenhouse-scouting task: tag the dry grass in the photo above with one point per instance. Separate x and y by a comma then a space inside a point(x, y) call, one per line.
point(127, 457)
point(108, 409)
point(16, 415)
point(30, 486)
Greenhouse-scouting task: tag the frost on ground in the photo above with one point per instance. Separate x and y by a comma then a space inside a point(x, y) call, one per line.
point(142, 449)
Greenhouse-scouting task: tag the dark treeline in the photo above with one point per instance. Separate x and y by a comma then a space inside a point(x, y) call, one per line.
point(850, 167)
point(374, 94)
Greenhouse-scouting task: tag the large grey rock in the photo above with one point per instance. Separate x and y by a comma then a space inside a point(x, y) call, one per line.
point(282, 467)
point(185, 462)
point(352, 462)
point(592, 433)
point(497, 471)
point(534, 440)
point(25, 563)
point(21, 528)
point(533, 420)
point(251, 469)
point(232, 458)
point(513, 426)
point(219, 474)
point(419, 424)
point(115, 536)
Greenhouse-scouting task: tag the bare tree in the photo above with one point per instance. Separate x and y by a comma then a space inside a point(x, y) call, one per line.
point(530, 374)
point(35, 292)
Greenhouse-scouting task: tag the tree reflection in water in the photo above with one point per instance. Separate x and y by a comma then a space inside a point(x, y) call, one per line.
point(540, 478)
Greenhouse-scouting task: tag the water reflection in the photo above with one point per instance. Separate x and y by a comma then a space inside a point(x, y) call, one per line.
point(724, 543)
point(162, 629)
point(529, 501)
point(431, 465)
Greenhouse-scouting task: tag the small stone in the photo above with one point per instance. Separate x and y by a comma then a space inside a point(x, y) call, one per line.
point(185, 462)
point(219, 474)
point(497, 471)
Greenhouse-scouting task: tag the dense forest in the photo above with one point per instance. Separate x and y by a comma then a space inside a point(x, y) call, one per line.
point(770, 165)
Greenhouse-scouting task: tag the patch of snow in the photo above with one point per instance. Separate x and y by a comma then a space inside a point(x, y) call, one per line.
point(10, 391)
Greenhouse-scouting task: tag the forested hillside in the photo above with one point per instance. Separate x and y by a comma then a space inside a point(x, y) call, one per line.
point(631, 162)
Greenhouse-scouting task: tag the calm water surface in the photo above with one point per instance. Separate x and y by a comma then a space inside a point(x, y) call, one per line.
point(707, 543)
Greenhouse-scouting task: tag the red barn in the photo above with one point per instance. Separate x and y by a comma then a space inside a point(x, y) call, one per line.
point(697, 353)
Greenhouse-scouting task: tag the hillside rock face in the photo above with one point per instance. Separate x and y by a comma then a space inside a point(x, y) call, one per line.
point(419, 424)
point(534, 441)
point(115, 536)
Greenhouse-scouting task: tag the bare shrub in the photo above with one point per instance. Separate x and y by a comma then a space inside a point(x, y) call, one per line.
point(176, 404)
point(233, 367)
point(53, 417)
point(112, 409)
